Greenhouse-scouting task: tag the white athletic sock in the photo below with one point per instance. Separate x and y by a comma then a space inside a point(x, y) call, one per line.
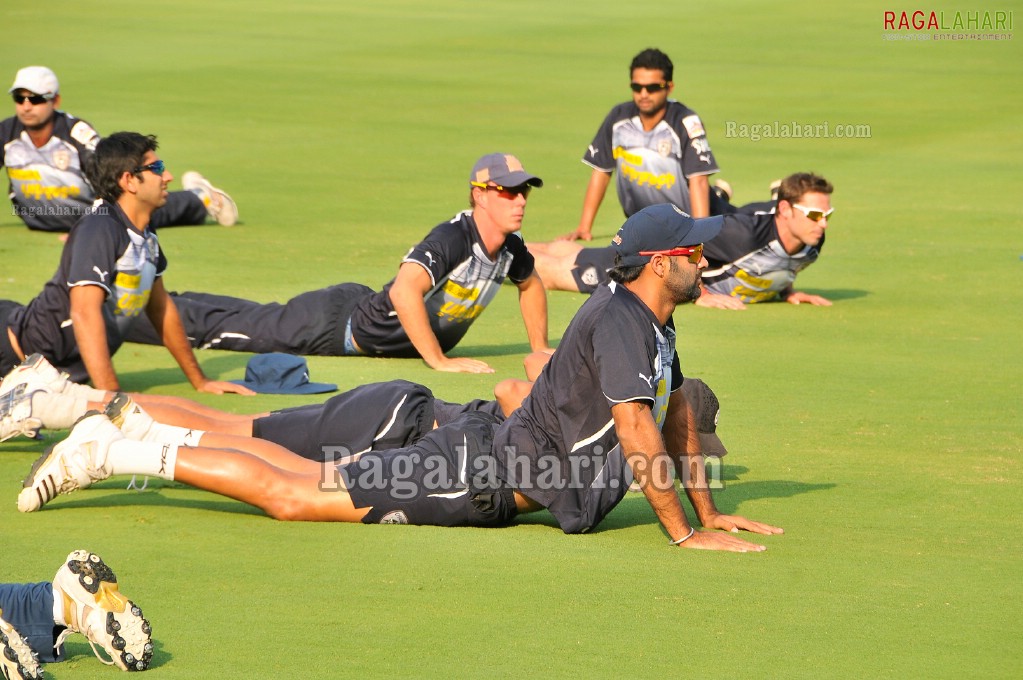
point(172, 434)
point(128, 457)
point(137, 424)
point(58, 607)
point(83, 392)
point(58, 411)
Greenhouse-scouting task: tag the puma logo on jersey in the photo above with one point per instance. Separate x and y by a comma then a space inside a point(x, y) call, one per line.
point(593, 150)
point(102, 274)
point(648, 380)
point(429, 256)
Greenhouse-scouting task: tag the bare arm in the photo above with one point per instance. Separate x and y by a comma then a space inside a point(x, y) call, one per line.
point(533, 305)
point(699, 196)
point(719, 301)
point(682, 437)
point(407, 294)
point(644, 450)
point(595, 191)
point(163, 314)
point(91, 335)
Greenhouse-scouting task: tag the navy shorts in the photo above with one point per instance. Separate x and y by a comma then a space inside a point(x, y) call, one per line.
point(444, 479)
point(388, 415)
point(29, 608)
point(445, 411)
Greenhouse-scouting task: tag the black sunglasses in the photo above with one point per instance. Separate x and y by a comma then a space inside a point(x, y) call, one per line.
point(34, 98)
point(652, 88)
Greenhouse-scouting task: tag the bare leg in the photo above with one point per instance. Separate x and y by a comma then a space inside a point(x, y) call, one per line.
point(534, 363)
point(282, 494)
point(227, 423)
point(510, 392)
point(567, 249)
point(555, 262)
point(187, 413)
point(183, 412)
point(268, 452)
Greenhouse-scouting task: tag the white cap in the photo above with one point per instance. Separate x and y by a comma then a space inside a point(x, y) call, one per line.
point(38, 80)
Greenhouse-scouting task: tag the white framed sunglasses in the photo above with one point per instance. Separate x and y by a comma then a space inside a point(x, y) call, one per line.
point(813, 213)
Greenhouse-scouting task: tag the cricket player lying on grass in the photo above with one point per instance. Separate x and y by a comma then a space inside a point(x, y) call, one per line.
point(585, 431)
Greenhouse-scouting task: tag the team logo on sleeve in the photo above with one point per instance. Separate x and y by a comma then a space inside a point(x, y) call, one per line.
point(693, 126)
point(83, 133)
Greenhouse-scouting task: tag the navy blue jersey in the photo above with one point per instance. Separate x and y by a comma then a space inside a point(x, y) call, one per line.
point(560, 448)
point(105, 250)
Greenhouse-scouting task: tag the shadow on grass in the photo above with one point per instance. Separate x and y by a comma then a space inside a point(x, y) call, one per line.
point(634, 509)
point(837, 293)
point(216, 365)
point(77, 650)
point(475, 349)
point(119, 497)
point(631, 511)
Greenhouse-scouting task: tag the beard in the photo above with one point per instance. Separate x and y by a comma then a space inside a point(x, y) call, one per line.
point(684, 286)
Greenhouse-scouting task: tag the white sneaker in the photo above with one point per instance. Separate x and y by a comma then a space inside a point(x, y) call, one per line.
point(218, 204)
point(17, 660)
point(95, 607)
point(36, 372)
point(74, 463)
point(129, 417)
point(16, 414)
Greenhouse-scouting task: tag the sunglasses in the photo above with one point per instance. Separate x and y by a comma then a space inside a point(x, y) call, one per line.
point(694, 253)
point(652, 88)
point(506, 192)
point(156, 167)
point(36, 99)
point(813, 213)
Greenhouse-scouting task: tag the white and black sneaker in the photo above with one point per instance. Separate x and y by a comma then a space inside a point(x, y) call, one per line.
point(95, 607)
point(16, 414)
point(17, 660)
point(72, 464)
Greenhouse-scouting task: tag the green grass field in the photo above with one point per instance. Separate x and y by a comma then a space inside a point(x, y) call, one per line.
point(884, 433)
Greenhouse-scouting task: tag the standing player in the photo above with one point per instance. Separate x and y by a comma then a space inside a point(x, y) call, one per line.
point(591, 424)
point(443, 284)
point(658, 146)
point(110, 273)
point(45, 151)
